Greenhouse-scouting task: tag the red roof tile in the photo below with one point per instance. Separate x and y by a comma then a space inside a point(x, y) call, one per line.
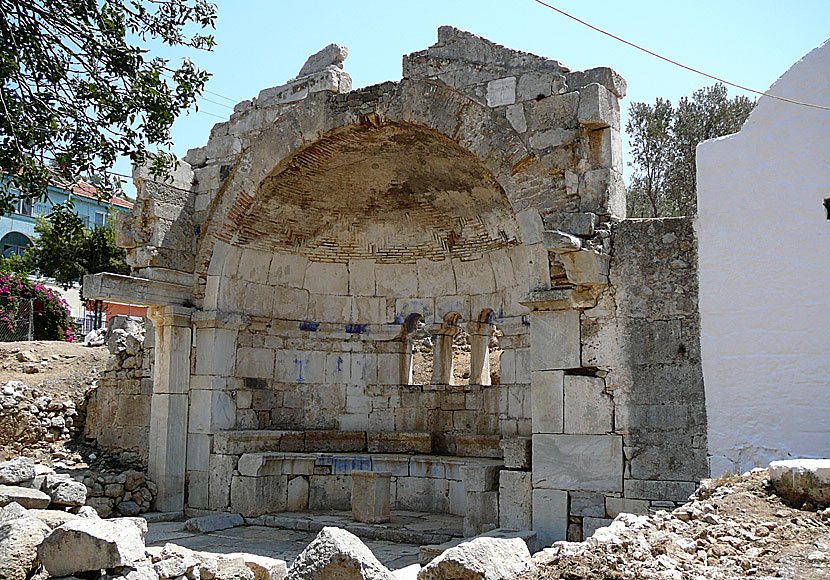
point(83, 189)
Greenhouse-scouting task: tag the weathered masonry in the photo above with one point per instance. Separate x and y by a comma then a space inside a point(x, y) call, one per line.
point(295, 262)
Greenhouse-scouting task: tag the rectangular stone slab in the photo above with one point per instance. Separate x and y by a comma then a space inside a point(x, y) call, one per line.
point(28, 498)
point(578, 462)
point(400, 442)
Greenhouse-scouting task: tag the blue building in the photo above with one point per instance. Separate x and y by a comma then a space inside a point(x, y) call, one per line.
point(17, 229)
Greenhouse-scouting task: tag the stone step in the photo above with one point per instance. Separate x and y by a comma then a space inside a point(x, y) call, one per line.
point(404, 527)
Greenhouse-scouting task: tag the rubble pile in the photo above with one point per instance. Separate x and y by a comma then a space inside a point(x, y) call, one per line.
point(128, 494)
point(735, 527)
point(33, 485)
point(31, 415)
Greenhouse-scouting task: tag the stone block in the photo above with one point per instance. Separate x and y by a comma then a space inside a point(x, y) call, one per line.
point(214, 523)
point(256, 363)
point(361, 277)
point(547, 401)
point(254, 266)
point(550, 515)
point(802, 480)
point(26, 497)
point(588, 408)
point(586, 503)
point(578, 462)
point(554, 340)
point(482, 512)
point(422, 494)
point(586, 267)
point(539, 85)
point(338, 367)
point(427, 466)
point(516, 452)
point(395, 280)
point(327, 278)
point(329, 308)
point(330, 492)
point(219, 481)
point(591, 525)
point(215, 351)
point(287, 269)
point(197, 490)
point(515, 500)
point(397, 465)
point(678, 491)
point(238, 442)
point(255, 496)
point(468, 445)
point(602, 188)
point(516, 115)
point(615, 506)
point(501, 92)
point(364, 368)
point(598, 107)
point(457, 498)
point(480, 477)
point(211, 411)
point(297, 494)
point(435, 278)
point(333, 54)
point(409, 442)
point(330, 79)
point(605, 76)
point(552, 138)
point(335, 441)
point(198, 452)
point(371, 496)
point(16, 471)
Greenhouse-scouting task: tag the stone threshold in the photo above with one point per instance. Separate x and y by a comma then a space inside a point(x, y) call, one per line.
point(156, 517)
point(405, 526)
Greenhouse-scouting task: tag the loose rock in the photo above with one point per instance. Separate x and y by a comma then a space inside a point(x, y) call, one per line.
point(336, 554)
point(85, 545)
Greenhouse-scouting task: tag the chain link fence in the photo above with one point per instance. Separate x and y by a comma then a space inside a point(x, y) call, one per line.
point(16, 319)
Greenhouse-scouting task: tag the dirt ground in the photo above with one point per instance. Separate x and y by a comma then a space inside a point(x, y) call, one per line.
point(738, 529)
point(69, 369)
point(65, 372)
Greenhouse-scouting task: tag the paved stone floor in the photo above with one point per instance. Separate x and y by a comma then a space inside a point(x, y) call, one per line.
point(287, 543)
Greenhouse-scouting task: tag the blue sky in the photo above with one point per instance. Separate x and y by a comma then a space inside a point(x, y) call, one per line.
point(264, 43)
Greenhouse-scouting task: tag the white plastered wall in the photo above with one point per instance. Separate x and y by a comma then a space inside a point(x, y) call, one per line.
point(765, 276)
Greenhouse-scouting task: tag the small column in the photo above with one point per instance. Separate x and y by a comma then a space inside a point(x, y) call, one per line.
point(443, 335)
point(410, 327)
point(480, 334)
point(371, 493)
point(169, 404)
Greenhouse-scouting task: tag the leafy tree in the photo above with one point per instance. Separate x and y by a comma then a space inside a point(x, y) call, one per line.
point(663, 142)
point(77, 90)
point(66, 251)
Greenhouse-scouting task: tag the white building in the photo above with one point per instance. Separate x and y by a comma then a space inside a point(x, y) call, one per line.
point(763, 197)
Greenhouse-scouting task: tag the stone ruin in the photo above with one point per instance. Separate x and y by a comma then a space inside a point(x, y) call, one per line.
point(475, 207)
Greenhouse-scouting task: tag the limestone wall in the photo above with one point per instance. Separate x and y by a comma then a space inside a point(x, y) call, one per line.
point(118, 409)
point(765, 276)
point(623, 426)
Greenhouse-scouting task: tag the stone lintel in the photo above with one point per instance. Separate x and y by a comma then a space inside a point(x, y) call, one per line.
point(560, 299)
point(133, 290)
point(219, 319)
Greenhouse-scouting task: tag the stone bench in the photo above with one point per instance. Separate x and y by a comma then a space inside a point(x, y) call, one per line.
point(269, 482)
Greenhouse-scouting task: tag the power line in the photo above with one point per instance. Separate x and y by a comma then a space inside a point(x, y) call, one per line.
point(681, 65)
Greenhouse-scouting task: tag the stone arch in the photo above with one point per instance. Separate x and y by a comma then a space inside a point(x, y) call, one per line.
point(310, 128)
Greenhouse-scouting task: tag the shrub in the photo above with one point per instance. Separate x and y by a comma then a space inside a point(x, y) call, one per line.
point(51, 317)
